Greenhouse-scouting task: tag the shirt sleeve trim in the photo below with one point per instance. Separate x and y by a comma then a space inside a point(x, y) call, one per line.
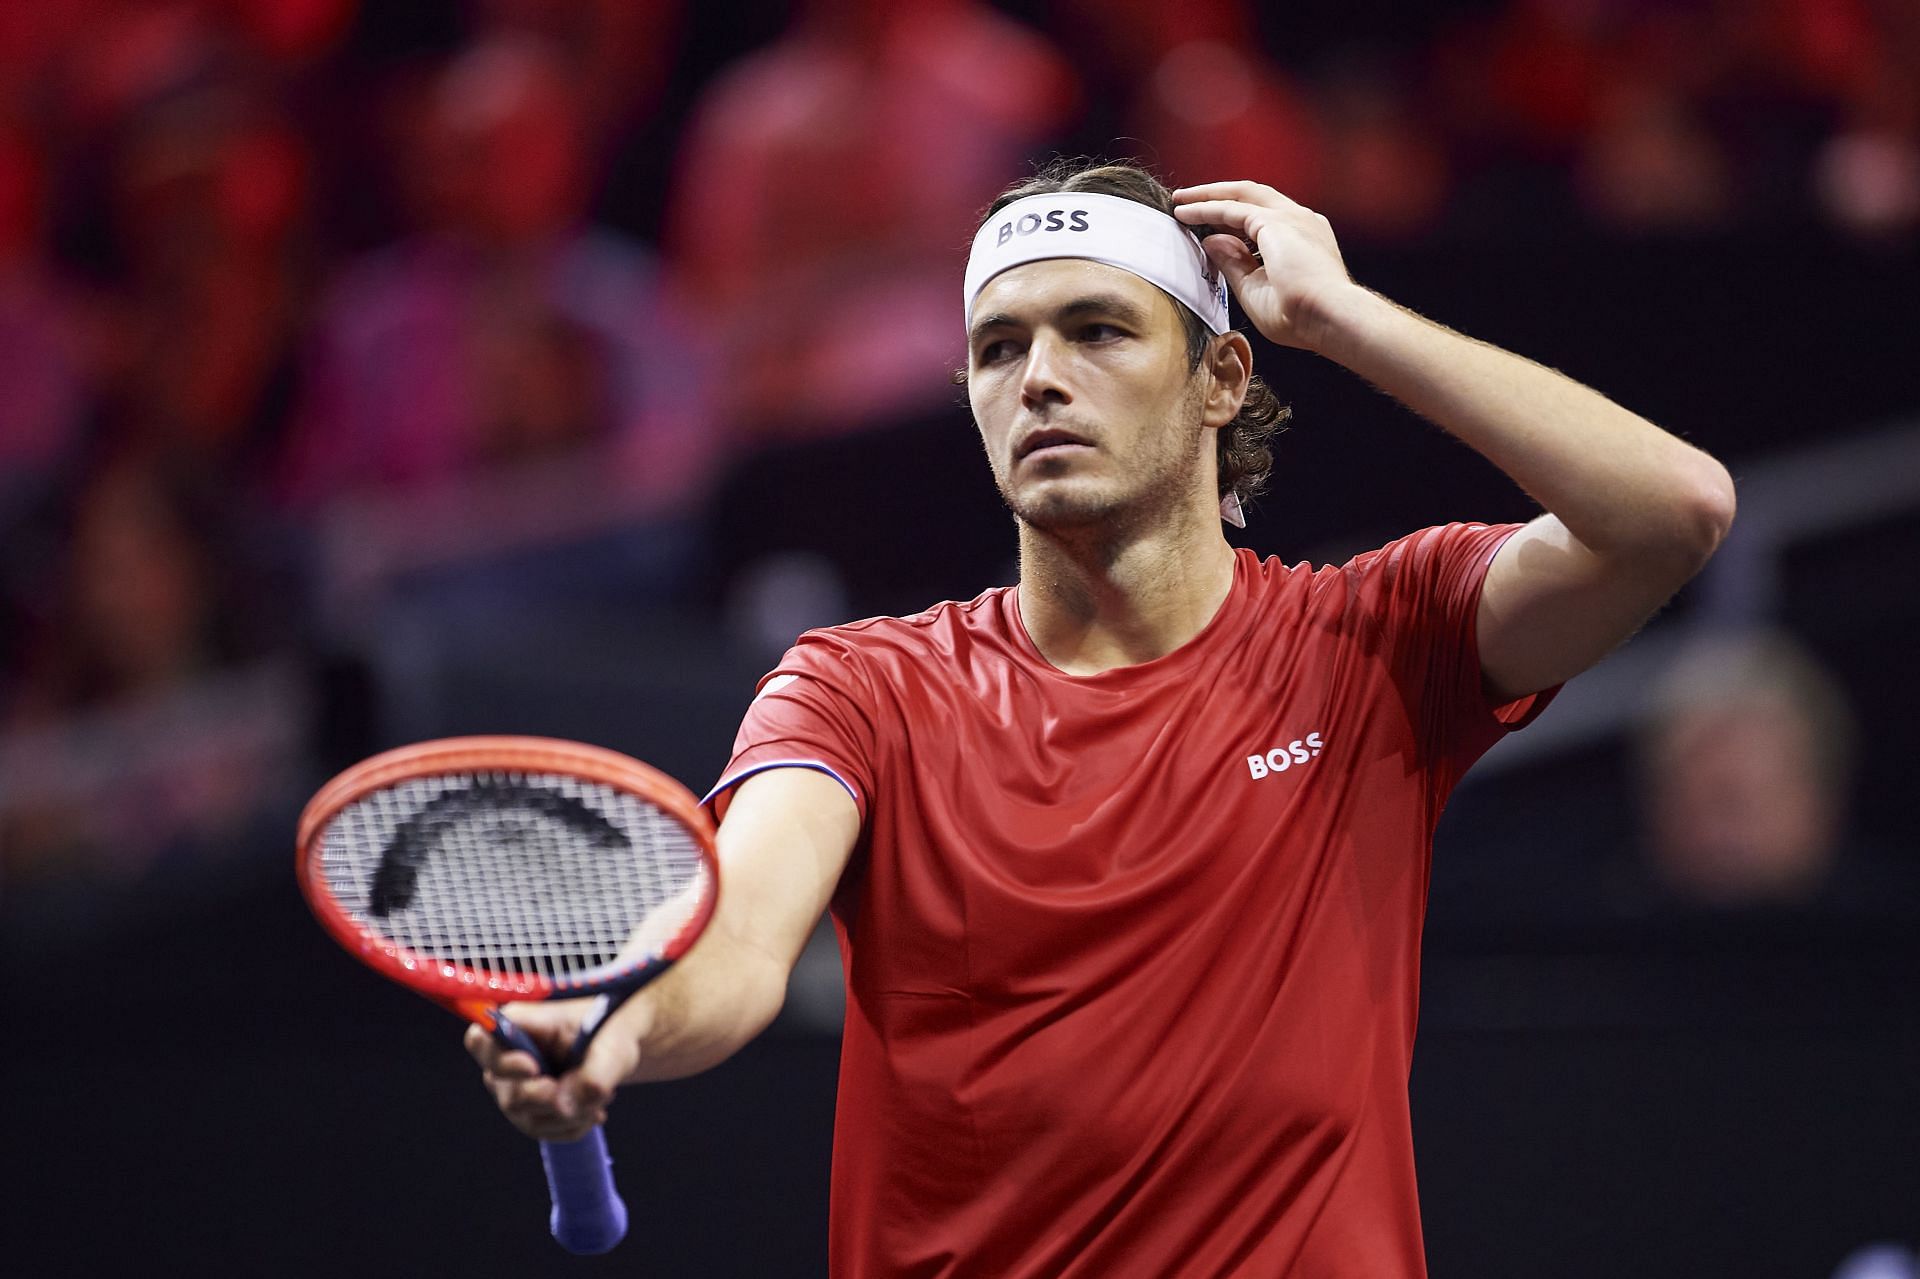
point(727, 783)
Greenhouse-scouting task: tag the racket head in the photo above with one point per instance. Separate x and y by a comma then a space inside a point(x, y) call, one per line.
point(483, 870)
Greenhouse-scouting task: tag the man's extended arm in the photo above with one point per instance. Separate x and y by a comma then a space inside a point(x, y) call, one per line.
point(786, 838)
point(1633, 511)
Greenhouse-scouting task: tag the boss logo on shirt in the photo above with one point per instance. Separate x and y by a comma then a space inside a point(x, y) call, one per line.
point(1028, 223)
point(1281, 758)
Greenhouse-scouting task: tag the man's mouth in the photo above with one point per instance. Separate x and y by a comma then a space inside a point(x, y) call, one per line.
point(1049, 440)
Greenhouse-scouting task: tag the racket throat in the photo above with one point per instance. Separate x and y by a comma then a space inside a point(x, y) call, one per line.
point(603, 1006)
point(511, 1036)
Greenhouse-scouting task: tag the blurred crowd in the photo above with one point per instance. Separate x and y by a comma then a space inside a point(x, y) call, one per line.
point(298, 297)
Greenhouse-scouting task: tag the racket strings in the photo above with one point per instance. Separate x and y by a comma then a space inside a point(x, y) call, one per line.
point(515, 874)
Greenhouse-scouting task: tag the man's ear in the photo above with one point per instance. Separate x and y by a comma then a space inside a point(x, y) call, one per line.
point(1229, 366)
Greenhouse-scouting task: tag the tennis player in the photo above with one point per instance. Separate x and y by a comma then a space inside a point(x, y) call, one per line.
point(1129, 861)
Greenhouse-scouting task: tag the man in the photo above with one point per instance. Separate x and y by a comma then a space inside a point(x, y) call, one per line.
point(1129, 861)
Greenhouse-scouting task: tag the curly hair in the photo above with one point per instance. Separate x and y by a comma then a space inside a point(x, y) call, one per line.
point(1243, 452)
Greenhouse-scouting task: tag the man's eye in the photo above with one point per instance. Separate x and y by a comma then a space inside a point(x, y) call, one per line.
point(994, 352)
point(1101, 332)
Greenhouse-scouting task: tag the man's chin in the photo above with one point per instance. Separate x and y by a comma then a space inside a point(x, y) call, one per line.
point(1061, 509)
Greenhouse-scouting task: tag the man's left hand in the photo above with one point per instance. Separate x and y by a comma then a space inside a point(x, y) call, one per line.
point(1290, 288)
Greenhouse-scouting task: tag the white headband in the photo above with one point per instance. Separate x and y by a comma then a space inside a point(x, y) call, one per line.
point(1100, 228)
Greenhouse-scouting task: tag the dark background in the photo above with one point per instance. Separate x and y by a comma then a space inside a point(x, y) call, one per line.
point(1697, 208)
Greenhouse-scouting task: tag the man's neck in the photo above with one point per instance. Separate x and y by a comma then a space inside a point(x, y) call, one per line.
point(1091, 604)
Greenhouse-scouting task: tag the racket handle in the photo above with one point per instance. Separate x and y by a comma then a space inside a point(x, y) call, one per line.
point(589, 1217)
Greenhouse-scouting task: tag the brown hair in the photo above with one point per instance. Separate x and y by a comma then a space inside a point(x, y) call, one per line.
point(1243, 453)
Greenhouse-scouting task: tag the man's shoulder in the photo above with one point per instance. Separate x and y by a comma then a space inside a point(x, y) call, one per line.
point(937, 634)
point(1342, 565)
point(926, 629)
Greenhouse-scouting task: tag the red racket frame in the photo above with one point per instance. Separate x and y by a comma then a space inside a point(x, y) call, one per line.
point(468, 991)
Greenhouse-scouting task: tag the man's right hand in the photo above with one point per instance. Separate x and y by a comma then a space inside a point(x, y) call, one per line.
point(564, 1107)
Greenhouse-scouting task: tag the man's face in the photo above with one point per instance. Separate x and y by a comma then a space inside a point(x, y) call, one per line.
point(1080, 385)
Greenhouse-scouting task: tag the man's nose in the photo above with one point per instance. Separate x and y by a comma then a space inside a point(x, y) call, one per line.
point(1043, 380)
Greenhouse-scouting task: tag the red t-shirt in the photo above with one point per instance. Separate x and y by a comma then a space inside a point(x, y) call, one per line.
point(1132, 958)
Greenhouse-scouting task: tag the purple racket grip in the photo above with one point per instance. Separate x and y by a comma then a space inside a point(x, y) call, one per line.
point(589, 1217)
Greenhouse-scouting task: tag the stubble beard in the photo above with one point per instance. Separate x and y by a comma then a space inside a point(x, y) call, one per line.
point(1076, 510)
point(1064, 508)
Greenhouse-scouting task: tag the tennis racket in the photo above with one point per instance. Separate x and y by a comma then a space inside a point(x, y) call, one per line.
point(484, 870)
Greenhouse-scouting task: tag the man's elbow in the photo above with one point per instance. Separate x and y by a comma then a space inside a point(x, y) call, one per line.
point(1709, 509)
point(1693, 516)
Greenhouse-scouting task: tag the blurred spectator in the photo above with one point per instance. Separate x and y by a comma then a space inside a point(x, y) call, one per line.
point(143, 722)
point(44, 398)
point(1868, 182)
point(827, 191)
point(148, 595)
point(1867, 174)
point(1650, 163)
point(104, 58)
point(1386, 173)
point(293, 33)
point(507, 329)
point(210, 210)
point(1525, 82)
point(619, 52)
point(1206, 103)
point(1745, 769)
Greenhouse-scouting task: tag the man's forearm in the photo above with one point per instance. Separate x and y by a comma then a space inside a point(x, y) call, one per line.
point(1620, 484)
point(702, 1011)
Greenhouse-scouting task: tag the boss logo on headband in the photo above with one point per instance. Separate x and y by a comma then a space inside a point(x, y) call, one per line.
point(1028, 223)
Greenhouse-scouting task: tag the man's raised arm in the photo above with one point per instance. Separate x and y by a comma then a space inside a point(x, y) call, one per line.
point(786, 838)
point(1633, 511)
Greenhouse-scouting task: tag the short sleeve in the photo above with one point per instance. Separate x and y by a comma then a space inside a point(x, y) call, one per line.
point(1423, 594)
point(813, 710)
